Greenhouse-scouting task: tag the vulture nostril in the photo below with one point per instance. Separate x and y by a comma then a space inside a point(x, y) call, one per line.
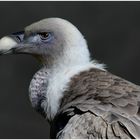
point(18, 38)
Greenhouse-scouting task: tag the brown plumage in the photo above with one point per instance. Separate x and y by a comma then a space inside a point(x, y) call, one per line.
point(100, 105)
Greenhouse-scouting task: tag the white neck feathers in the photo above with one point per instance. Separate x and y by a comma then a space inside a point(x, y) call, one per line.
point(61, 74)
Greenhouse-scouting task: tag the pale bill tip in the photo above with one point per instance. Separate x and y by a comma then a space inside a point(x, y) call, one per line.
point(7, 43)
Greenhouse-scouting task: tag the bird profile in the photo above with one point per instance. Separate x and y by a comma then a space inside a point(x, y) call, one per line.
point(78, 96)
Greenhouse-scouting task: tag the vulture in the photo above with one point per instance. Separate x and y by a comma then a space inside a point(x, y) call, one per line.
point(76, 95)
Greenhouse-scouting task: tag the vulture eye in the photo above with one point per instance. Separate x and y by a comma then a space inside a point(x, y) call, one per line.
point(44, 35)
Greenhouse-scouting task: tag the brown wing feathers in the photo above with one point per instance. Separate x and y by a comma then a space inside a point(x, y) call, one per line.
point(113, 100)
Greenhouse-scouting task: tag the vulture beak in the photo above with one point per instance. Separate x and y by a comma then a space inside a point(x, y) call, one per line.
point(12, 43)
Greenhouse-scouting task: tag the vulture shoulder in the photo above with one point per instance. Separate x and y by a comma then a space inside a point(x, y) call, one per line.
point(98, 104)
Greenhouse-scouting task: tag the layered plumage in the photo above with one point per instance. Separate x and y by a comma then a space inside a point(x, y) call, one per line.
point(77, 96)
point(105, 106)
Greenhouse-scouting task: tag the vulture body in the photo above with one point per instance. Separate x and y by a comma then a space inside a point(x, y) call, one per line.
point(77, 96)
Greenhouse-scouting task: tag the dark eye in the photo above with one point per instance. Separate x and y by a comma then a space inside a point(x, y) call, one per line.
point(44, 35)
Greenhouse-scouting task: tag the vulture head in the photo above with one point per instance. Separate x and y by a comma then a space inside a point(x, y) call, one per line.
point(49, 40)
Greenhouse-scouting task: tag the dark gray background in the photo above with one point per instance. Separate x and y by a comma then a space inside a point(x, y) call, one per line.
point(112, 30)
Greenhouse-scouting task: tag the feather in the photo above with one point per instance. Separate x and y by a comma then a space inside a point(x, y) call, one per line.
point(109, 106)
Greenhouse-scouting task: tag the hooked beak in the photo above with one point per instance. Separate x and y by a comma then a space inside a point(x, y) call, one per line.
point(10, 44)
